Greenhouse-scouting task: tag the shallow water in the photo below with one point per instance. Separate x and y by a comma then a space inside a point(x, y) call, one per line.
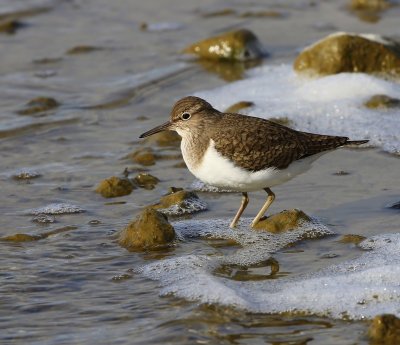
point(75, 284)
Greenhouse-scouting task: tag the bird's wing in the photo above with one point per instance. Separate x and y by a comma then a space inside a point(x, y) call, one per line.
point(256, 144)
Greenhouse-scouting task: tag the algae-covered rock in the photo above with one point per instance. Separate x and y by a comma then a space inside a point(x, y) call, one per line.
point(164, 138)
point(180, 202)
point(237, 45)
point(382, 102)
point(38, 105)
point(237, 107)
point(149, 230)
point(10, 26)
point(113, 187)
point(284, 221)
point(21, 238)
point(384, 330)
point(84, 49)
point(354, 239)
point(347, 52)
point(146, 181)
point(369, 4)
point(144, 156)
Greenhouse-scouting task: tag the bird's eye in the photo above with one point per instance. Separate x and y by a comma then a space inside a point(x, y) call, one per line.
point(186, 116)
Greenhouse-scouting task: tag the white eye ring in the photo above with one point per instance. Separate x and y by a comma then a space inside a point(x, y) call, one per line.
point(186, 116)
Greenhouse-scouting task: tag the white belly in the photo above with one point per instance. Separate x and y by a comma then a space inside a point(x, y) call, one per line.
point(218, 171)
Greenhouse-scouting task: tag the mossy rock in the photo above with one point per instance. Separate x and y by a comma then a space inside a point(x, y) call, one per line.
point(239, 45)
point(237, 107)
point(354, 239)
point(179, 203)
point(144, 156)
point(38, 105)
point(113, 187)
point(284, 221)
point(382, 102)
point(164, 138)
point(21, 238)
point(175, 198)
point(346, 52)
point(146, 181)
point(84, 49)
point(384, 330)
point(376, 5)
point(150, 230)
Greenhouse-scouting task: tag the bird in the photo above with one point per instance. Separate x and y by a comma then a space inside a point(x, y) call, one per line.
point(243, 153)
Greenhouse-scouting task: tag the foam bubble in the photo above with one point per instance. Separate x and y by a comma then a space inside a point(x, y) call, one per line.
point(187, 206)
point(61, 208)
point(356, 289)
point(327, 105)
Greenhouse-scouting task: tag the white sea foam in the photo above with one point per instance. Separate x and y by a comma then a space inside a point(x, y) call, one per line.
point(189, 205)
point(327, 105)
point(60, 208)
point(356, 289)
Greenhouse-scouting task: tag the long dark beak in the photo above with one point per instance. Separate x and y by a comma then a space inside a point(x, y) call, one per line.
point(165, 126)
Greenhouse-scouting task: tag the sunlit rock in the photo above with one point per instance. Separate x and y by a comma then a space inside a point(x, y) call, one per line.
point(146, 181)
point(237, 45)
point(144, 156)
point(354, 239)
point(149, 230)
point(38, 105)
point(284, 221)
point(113, 187)
point(382, 102)
point(384, 330)
point(180, 202)
point(347, 52)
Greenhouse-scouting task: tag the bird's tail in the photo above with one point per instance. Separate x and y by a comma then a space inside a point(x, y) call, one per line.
point(356, 142)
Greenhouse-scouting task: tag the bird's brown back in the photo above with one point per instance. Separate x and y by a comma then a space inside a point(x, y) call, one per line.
point(256, 144)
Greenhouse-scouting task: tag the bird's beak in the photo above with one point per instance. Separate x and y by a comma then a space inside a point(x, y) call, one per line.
point(165, 126)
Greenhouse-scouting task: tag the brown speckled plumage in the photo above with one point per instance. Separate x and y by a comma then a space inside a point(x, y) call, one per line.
point(251, 143)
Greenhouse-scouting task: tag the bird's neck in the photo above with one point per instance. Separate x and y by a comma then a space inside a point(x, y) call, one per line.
point(193, 146)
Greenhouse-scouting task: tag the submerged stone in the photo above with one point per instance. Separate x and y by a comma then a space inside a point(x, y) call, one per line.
point(164, 138)
point(284, 221)
point(144, 156)
point(237, 45)
point(354, 239)
point(370, 4)
point(180, 202)
point(84, 49)
point(38, 105)
point(347, 52)
point(113, 187)
point(26, 174)
point(146, 181)
point(237, 107)
point(150, 230)
point(382, 102)
point(384, 330)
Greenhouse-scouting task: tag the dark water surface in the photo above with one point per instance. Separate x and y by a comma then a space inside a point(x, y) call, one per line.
point(76, 285)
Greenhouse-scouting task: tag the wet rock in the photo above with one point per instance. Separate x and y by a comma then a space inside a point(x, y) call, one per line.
point(146, 181)
point(165, 138)
point(113, 187)
point(384, 330)
point(237, 107)
point(144, 156)
point(150, 230)
point(346, 52)
point(382, 102)
point(239, 45)
point(10, 26)
point(354, 239)
point(180, 202)
point(38, 105)
point(84, 49)
point(30, 238)
point(369, 4)
point(228, 70)
point(218, 13)
point(284, 221)
point(25, 174)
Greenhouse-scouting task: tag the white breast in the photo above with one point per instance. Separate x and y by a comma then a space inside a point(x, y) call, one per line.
point(216, 170)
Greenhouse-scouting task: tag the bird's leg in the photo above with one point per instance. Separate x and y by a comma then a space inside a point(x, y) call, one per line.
point(245, 201)
point(270, 200)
